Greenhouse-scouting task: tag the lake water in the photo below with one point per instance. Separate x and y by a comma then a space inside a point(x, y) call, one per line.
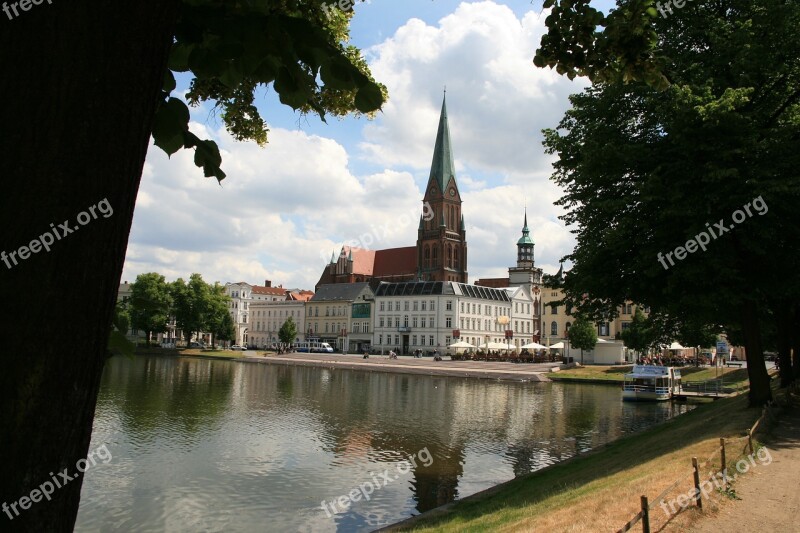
point(204, 445)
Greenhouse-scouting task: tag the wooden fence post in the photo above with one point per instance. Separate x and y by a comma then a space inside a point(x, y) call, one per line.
point(724, 462)
point(750, 440)
point(645, 515)
point(697, 483)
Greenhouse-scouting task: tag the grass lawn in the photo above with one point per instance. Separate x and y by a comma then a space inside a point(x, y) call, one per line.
point(616, 373)
point(600, 491)
point(612, 374)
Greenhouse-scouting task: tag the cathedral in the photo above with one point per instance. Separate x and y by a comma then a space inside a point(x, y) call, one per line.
point(441, 250)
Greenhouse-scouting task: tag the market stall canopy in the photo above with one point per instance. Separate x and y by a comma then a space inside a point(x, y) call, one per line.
point(495, 346)
point(676, 346)
point(461, 344)
point(558, 346)
point(533, 346)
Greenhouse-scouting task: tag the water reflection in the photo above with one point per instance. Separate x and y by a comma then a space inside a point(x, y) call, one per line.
point(216, 445)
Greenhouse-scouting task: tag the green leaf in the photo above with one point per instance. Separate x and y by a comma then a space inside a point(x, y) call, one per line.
point(179, 57)
point(369, 98)
point(169, 82)
point(171, 120)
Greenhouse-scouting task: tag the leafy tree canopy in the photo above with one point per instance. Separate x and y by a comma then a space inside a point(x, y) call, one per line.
point(294, 47)
point(288, 331)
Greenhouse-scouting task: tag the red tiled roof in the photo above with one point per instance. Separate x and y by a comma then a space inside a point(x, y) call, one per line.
point(395, 262)
point(495, 283)
point(301, 296)
point(363, 260)
point(272, 291)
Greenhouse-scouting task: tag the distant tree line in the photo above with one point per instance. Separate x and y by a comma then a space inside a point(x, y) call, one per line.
point(195, 305)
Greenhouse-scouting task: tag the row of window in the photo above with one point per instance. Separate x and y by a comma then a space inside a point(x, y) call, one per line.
point(337, 327)
point(491, 325)
point(416, 305)
point(421, 321)
point(283, 313)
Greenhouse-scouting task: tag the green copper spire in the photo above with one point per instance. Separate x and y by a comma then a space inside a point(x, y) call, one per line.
point(442, 167)
point(526, 233)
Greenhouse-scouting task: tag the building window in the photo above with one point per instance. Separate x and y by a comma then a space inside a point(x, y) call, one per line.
point(380, 322)
point(449, 305)
point(602, 329)
point(397, 305)
point(397, 339)
point(380, 340)
point(424, 304)
point(397, 321)
point(447, 340)
point(430, 340)
point(554, 328)
point(433, 306)
point(413, 340)
point(422, 322)
point(462, 307)
point(416, 305)
point(405, 320)
point(448, 322)
point(405, 305)
point(413, 321)
point(383, 306)
point(554, 309)
point(422, 340)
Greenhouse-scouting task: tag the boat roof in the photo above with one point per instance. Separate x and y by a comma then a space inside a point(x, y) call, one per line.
point(648, 371)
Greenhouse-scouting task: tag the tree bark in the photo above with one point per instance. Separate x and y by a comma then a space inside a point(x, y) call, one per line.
point(796, 342)
point(80, 87)
point(760, 392)
point(783, 322)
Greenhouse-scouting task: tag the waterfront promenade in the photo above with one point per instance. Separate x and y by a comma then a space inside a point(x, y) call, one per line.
point(411, 365)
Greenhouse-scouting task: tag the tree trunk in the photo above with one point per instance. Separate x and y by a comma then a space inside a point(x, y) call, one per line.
point(796, 342)
point(783, 323)
point(760, 392)
point(80, 87)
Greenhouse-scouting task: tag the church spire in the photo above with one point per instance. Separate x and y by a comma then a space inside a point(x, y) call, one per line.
point(525, 245)
point(442, 166)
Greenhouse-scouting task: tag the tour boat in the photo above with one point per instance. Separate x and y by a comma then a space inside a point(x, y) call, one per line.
point(651, 383)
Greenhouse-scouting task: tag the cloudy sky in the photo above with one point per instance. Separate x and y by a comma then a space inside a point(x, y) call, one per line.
point(284, 208)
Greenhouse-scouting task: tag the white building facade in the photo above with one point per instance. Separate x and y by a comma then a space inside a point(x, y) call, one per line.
point(242, 296)
point(430, 315)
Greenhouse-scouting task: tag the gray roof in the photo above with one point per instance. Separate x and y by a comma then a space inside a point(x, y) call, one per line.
point(343, 292)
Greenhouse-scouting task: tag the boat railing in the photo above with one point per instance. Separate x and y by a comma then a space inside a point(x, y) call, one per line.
point(646, 388)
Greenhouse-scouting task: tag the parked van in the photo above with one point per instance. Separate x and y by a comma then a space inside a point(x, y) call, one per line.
point(313, 347)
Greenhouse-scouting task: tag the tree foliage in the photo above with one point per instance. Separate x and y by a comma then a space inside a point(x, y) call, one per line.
point(638, 336)
point(647, 171)
point(234, 48)
point(288, 332)
point(150, 304)
point(619, 46)
point(582, 335)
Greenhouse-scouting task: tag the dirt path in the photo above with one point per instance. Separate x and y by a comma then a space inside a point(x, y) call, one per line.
point(769, 492)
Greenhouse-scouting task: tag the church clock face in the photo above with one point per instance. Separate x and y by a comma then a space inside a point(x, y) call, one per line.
point(452, 191)
point(433, 189)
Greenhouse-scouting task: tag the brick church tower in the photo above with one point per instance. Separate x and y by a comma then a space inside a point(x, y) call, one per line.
point(441, 240)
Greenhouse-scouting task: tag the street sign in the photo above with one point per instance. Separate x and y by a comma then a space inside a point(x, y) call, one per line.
point(722, 347)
